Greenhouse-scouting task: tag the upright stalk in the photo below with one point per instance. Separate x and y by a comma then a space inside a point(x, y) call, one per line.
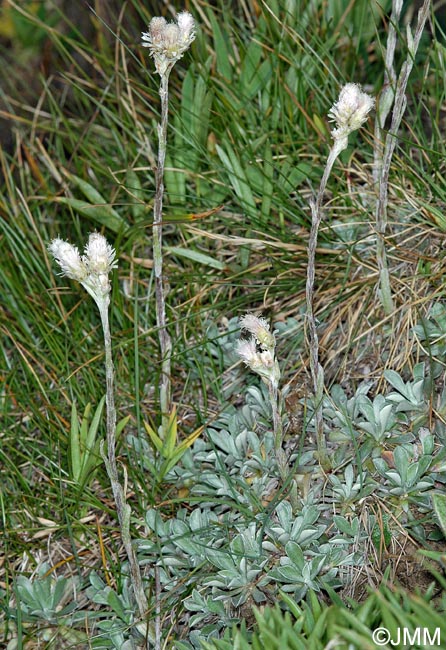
point(349, 113)
point(167, 42)
point(164, 337)
point(274, 399)
point(93, 271)
point(394, 92)
point(383, 109)
point(122, 507)
point(259, 353)
point(317, 373)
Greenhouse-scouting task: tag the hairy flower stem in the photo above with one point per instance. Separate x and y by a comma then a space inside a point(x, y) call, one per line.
point(317, 373)
point(164, 337)
point(274, 399)
point(122, 507)
point(394, 91)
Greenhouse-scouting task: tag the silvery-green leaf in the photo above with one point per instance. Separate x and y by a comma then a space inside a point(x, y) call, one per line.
point(385, 417)
point(285, 514)
point(348, 475)
point(395, 380)
point(343, 525)
point(294, 552)
point(402, 460)
point(427, 440)
point(439, 503)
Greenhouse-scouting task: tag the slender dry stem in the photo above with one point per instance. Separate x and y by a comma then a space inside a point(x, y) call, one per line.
point(274, 399)
point(317, 373)
point(164, 337)
point(122, 507)
point(394, 91)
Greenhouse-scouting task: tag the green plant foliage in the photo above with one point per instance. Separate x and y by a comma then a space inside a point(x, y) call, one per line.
point(83, 443)
point(167, 445)
point(313, 626)
point(439, 503)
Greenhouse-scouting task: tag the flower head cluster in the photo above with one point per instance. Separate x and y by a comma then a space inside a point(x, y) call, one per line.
point(258, 352)
point(69, 259)
point(350, 111)
point(169, 41)
point(92, 269)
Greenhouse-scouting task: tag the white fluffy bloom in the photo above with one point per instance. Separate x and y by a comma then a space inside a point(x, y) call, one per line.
point(69, 259)
point(154, 37)
point(259, 328)
point(258, 351)
point(247, 349)
point(186, 24)
point(99, 256)
point(350, 111)
point(92, 269)
point(169, 41)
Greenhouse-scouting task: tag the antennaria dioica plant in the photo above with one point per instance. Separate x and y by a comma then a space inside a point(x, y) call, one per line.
point(167, 43)
point(92, 270)
point(264, 364)
point(349, 113)
point(393, 93)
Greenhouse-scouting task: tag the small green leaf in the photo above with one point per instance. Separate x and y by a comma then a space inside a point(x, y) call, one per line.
point(93, 429)
point(154, 437)
point(136, 193)
point(190, 440)
point(122, 424)
point(395, 380)
point(170, 435)
point(84, 427)
point(294, 552)
point(402, 460)
point(238, 178)
point(439, 503)
point(268, 186)
point(103, 214)
point(97, 207)
point(195, 256)
point(343, 525)
point(75, 444)
point(115, 603)
point(222, 48)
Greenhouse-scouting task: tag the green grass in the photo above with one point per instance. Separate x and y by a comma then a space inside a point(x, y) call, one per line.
point(248, 131)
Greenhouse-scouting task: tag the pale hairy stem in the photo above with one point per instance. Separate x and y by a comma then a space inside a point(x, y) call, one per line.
point(160, 291)
point(277, 430)
point(384, 151)
point(275, 398)
point(317, 373)
point(122, 507)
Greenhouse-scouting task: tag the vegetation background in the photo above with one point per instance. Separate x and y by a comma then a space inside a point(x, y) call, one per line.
point(248, 140)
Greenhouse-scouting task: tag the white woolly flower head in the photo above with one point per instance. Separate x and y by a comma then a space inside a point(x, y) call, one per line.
point(258, 351)
point(350, 111)
point(247, 349)
point(92, 269)
point(99, 256)
point(169, 41)
point(260, 330)
point(69, 259)
point(186, 23)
